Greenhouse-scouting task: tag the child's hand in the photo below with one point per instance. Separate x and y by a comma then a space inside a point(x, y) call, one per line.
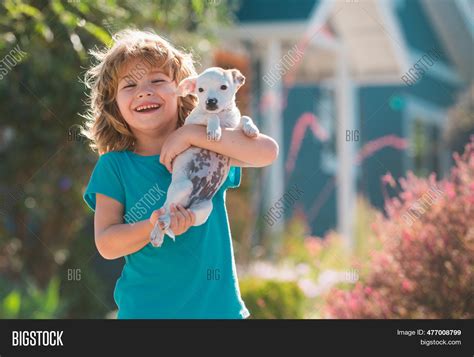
point(181, 218)
point(175, 144)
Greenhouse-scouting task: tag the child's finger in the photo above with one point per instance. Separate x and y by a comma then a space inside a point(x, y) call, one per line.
point(186, 215)
point(181, 218)
point(153, 217)
point(193, 217)
point(174, 220)
point(156, 214)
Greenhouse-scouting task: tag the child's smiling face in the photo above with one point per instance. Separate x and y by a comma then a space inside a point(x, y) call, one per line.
point(146, 97)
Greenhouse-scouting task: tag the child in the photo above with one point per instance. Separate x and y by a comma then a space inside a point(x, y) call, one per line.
point(135, 122)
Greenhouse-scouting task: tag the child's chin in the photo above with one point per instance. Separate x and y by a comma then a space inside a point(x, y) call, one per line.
point(149, 123)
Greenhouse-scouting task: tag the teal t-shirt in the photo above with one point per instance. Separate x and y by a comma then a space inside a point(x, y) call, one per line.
point(193, 277)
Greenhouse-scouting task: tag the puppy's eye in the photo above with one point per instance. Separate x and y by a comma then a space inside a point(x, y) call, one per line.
point(201, 90)
point(223, 87)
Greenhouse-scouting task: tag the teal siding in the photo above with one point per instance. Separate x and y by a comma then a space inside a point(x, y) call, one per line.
point(307, 173)
point(379, 118)
point(275, 10)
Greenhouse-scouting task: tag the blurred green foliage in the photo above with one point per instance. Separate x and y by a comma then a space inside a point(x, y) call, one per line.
point(272, 299)
point(29, 301)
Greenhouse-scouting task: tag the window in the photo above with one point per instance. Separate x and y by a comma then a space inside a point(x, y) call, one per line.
point(423, 130)
point(325, 110)
point(425, 144)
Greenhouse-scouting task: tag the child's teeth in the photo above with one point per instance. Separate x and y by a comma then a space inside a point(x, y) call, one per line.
point(147, 107)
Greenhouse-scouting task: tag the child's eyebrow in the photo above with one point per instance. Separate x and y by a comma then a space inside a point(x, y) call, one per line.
point(127, 76)
point(159, 72)
point(124, 77)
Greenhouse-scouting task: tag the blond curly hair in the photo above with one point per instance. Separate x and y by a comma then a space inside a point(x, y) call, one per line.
point(105, 126)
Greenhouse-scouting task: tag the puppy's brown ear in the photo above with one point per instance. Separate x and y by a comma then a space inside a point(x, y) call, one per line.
point(238, 77)
point(186, 87)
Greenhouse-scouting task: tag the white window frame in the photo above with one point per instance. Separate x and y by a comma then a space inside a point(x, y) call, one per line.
point(416, 108)
point(329, 160)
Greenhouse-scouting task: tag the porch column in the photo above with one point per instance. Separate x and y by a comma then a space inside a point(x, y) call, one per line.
point(272, 84)
point(346, 153)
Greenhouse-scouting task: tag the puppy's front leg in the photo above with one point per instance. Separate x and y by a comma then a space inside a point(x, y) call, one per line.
point(248, 127)
point(214, 131)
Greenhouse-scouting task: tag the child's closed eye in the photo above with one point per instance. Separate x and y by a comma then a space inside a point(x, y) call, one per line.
point(130, 85)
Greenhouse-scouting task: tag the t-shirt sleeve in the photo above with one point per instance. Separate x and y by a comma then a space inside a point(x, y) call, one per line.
point(105, 179)
point(233, 178)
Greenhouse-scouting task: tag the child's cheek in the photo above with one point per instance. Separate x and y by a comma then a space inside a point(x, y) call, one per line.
point(122, 104)
point(169, 89)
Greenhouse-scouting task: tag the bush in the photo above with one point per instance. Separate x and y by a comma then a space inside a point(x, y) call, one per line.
point(271, 299)
point(426, 266)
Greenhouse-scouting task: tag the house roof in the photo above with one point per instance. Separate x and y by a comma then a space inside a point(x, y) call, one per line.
point(367, 30)
point(454, 23)
point(370, 33)
point(382, 38)
point(417, 27)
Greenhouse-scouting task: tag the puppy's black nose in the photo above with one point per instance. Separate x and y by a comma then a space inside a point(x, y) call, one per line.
point(211, 102)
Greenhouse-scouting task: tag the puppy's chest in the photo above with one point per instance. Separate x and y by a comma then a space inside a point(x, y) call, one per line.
point(229, 118)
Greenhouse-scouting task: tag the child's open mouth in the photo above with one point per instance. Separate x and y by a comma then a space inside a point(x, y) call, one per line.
point(147, 108)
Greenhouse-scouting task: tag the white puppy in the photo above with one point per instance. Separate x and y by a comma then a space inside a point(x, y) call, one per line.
point(198, 173)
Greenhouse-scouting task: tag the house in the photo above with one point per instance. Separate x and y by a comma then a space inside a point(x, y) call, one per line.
point(351, 90)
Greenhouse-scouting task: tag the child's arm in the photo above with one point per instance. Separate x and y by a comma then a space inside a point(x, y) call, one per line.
point(256, 152)
point(115, 239)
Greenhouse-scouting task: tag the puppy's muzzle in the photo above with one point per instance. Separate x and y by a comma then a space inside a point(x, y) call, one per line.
point(211, 104)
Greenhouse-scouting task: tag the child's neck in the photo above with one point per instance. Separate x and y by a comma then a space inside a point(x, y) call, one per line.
point(149, 145)
point(147, 150)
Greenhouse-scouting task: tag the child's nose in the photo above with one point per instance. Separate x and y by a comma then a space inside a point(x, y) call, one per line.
point(142, 94)
point(144, 91)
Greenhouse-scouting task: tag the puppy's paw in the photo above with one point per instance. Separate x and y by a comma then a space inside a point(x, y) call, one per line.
point(250, 129)
point(214, 134)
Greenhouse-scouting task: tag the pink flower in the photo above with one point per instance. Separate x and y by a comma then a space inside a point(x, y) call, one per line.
point(313, 245)
point(389, 180)
point(449, 189)
point(471, 199)
point(352, 303)
point(407, 285)
point(406, 237)
point(407, 196)
point(261, 302)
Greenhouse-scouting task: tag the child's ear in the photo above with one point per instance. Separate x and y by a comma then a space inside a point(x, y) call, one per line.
point(187, 86)
point(239, 78)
